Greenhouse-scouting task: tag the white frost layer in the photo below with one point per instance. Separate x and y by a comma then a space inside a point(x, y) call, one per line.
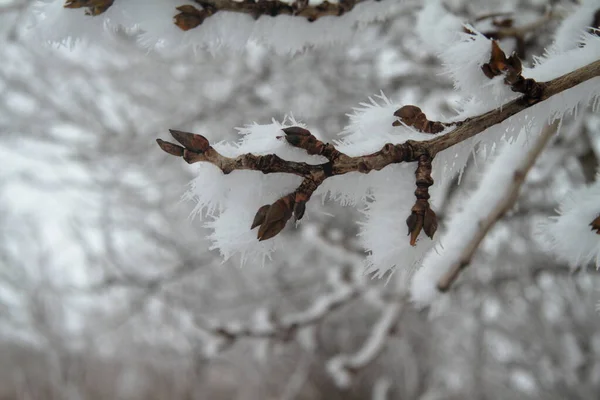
point(154, 22)
point(568, 34)
point(437, 28)
point(569, 235)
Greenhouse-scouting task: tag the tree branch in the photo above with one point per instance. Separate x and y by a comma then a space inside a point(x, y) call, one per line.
point(190, 17)
point(272, 218)
point(504, 204)
point(474, 126)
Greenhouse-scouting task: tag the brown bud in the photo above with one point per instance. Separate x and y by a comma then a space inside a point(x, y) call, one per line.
point(259, 218)
point(299, 208)
point(302, 138)
point(296, 131)
point(408, 114)
point(191, 141)
point(276, 218)
point(595, 224)
point(415, 224)
point(500, 64)
point(171, 148)
point(430, 223)
point(423, 218)
point(189, 17)
point(413, 116)
point(497, 63)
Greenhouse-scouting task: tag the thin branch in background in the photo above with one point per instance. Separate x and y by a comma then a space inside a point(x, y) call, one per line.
point(343, 366)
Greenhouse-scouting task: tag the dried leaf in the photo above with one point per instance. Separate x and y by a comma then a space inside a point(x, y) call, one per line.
point(171, 148)
point(259, 218)
point(296, 131)
point(497, 62)
point(191, 141)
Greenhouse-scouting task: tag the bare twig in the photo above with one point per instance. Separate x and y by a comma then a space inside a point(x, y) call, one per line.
point(342, 366)
point(190, 17)
point(344, 290)
point(504, 204)
point(520, 31)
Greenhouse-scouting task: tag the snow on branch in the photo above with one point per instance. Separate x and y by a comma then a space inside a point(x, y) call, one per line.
point(276, 199)
point(493, 198)
point(449, 28)
point(585, 18)
point(574, 235)
point(287, 26)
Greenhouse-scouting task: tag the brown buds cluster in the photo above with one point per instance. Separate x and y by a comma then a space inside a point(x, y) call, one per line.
point(272, 218)
point(422, 216)
point(595, 224)
point(94, 7)
point(413, 116)
point(511, 68)
point(193, 145)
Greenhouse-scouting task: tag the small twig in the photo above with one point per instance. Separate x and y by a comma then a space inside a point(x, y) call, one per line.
point(520, 31)
point(504, 204)
point(287, 327)
point(493, 15)
point(343, 366)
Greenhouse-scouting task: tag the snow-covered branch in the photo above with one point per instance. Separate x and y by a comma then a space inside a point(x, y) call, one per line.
point(298, 325)
point(272, 218)
point(467, 229)
point(287, 26)
point(342, 366)
point(190, 17)
point(574, 235)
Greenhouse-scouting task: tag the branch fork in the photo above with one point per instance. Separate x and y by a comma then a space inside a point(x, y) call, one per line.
point(270, 219)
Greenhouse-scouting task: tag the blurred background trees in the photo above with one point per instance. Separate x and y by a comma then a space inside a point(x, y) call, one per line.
point(109, 290)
